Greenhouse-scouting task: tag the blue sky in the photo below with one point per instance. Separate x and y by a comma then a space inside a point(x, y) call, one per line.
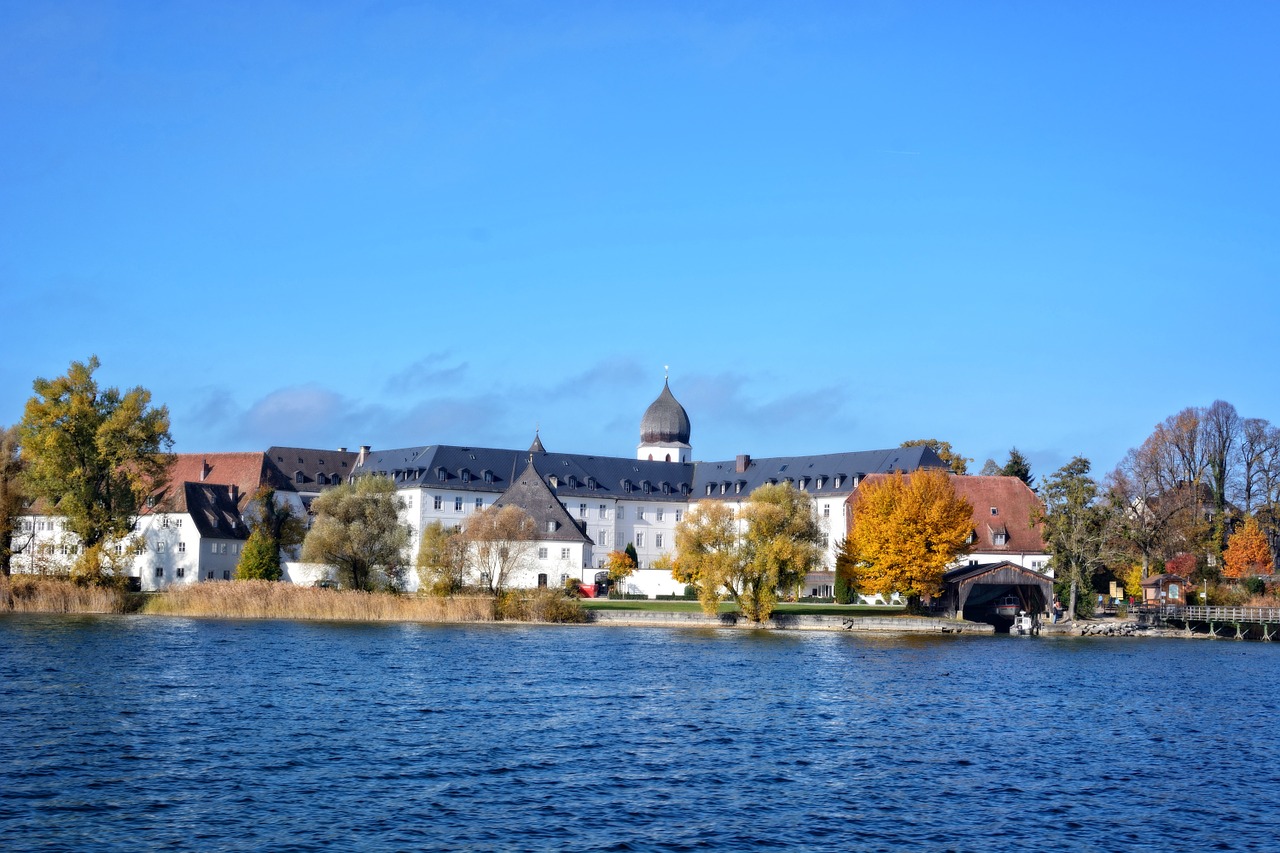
point(843, 225)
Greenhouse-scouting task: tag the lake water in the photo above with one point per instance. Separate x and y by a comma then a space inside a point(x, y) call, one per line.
point(130, 733)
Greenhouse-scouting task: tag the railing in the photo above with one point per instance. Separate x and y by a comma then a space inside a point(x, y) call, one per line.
point(1200, 613)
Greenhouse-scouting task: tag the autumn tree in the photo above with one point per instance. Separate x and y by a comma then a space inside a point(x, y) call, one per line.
point(1155, 516)
point(774, 544)
point(358, 531)
point(273, 528)
point(12, 496)
point(906, 530)
point(1248, 553)
point(620, 565)
point(94, 453)
point(957, 463)
point(442, 560)
point(499, 540)
point(1077, 529)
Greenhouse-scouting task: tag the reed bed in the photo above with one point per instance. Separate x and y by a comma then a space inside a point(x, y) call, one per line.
point(273, 600)
point(43, 594)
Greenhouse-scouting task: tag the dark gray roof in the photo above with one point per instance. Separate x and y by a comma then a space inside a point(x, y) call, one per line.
point(833, 474)
point(665, 421)
point(335, 465)
point(537, 447)
point(492, 470)
point(531, 493)
point(214, 511)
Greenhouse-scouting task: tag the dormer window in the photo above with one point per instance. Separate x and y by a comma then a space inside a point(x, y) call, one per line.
point(724, 487)
point(995, 510)
point(818, 483)
point(666, 487)
point(646, 486)
point(298, 477)
point(551, 527)
point(465, 474)
point(626, 485)
point(488, 476)
point(709, 488)
point(591, 483)
point(737, 488)
point(839, 479)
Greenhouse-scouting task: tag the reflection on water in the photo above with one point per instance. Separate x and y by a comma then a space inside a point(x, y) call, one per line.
point(143, 732)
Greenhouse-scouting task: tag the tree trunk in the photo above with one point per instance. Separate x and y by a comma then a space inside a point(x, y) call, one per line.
point(1071, 601)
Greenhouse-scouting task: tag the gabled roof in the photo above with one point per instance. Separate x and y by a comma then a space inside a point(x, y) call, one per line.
point(312, 463)
point(213, 511)
point(239, 475)
point(1017, 509)
point(830, 474)
point(531, 493)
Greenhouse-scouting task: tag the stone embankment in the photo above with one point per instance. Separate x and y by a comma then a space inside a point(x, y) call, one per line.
point(1111, 628)
point(789, 622)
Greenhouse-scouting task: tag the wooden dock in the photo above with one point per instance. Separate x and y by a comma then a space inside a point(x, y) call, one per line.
point(1247, 622)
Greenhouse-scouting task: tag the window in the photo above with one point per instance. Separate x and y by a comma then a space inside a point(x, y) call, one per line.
point(639, 513)
point(457, 504)
point(437, 502)
point(209, 576)
point(582, 510)
point(164, 522)
point(602, 536)
point(658, 514)
point(226, 575)
point(479, 503)
point(709, 488)
point(657, 540)
point(408, 501)
point(542, 553)
point(622, 513)
point(177, 522)
point(640, 539)
point(564, 553)
point(604, 511)
point(826, 540)
point(159, 571)
point(995, 511)
point(679, 515)
point(542, 580)
point(298, 477)
point(551, 526)
point(180, 572)
point(826, 510)
point(466, 476)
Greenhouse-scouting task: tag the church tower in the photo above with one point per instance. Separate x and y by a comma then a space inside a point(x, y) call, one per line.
point(664, 430)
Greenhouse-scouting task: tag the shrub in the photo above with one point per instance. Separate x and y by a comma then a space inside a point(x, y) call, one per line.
point(538, 605)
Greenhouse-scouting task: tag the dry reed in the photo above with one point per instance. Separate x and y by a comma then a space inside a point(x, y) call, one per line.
point(273, 600)
point(42, 594)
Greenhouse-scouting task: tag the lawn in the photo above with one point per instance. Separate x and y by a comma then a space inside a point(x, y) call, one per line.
point(798, 609)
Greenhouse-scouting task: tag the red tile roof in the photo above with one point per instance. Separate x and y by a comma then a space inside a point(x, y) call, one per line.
point(1016, 507)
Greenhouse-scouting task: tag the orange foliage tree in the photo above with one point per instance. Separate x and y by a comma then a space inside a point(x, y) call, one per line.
point(906, 531)
point(1248, 552)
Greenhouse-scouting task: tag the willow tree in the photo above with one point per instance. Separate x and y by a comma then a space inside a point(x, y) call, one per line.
point(358, 531)
point(906, 530)
point(94, 454)
point(774, 544)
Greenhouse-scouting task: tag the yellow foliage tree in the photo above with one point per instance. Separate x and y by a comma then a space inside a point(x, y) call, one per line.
point(620, 566)
point(906, 531)
point(1248, 552)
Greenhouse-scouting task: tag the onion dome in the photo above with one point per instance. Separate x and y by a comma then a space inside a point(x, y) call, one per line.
point(665, 421)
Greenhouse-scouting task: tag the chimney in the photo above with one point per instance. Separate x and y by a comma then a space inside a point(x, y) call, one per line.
point(744, 462)
point(234, 491)
point(204, 469)
point(342, 450)
point(364, 451)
